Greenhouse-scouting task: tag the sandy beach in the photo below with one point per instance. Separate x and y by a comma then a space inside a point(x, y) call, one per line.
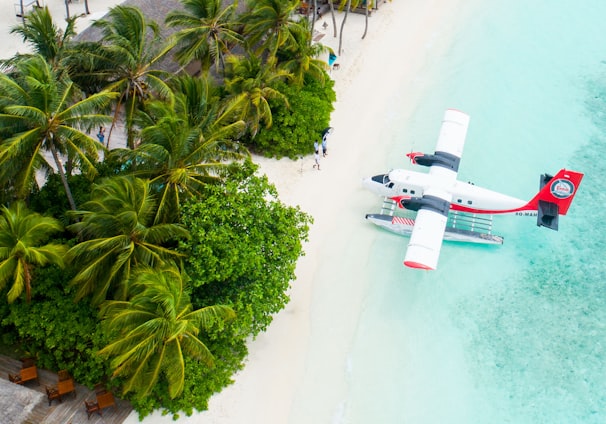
point(281, 368)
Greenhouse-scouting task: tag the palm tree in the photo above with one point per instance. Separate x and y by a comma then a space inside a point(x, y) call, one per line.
point(207, 33)
point(45, 38)
point(368, 4)
point(42, 111)
point(334, 19)
point(118, 234)
point(130, 58)
point(301, 57)
point(183, 146)
point(200, 101)
point(347, 5)
point(22, 237)
point(269, 24)
point(155, 329)
point(249, 84)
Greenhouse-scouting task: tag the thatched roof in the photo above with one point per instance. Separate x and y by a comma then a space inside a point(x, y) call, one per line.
point(154, 10)
point(17, 402)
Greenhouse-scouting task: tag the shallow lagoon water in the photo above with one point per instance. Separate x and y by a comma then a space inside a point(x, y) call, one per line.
point(511, 334)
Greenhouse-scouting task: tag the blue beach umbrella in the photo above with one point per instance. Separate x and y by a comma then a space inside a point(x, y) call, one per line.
point(326, 132)
point(332, 57)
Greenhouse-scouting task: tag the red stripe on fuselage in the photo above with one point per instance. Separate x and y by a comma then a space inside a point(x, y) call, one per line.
point(461, 208)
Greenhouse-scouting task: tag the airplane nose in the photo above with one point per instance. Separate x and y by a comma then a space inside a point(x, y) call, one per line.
point(368, 183)
point(375, 184)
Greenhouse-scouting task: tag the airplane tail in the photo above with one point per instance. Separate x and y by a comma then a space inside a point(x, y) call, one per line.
point(555, 196)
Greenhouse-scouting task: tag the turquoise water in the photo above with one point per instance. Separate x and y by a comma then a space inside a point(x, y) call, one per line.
point(513, 334)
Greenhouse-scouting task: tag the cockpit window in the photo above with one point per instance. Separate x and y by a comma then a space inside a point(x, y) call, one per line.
point(381, 179)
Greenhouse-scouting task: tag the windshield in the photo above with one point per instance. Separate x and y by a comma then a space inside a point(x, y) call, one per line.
point(381, 179)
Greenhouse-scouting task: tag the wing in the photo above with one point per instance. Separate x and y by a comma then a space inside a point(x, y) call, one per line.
point(453, 132)
point(427, 235)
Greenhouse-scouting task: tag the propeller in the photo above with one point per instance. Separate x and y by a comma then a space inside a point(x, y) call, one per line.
point(413, 156)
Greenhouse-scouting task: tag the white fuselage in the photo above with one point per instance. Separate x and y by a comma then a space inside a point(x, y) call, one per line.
point(464, 196)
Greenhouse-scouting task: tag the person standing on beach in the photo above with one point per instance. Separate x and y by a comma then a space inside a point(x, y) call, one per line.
point(325, 134)
point(317, 159)
point(101, 135)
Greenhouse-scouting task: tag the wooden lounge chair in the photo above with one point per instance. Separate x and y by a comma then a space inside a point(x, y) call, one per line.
point(52, 393)
point(105, 399)
point(25, 374)
point(65, 385)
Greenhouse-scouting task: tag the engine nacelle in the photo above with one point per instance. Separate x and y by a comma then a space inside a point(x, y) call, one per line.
point(443, 159)
point(432, 203)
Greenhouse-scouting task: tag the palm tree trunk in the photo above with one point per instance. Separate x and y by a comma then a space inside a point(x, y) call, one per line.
point(28, 280)
point(129, 115)
point(343, 25)
point(366, 20)
point(114, 120)
point(113, 125)
point(22, 11)
point(313, 19)
point(86, 7)
point(334, 19)
point(68, 192)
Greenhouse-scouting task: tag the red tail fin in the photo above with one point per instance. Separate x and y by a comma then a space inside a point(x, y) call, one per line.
point(559, 189)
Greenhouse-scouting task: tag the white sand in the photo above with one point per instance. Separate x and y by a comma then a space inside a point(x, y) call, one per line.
point(402, 36)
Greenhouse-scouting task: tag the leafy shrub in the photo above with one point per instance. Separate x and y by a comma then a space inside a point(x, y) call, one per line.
point(244, 247)
point(295, 128)
point(58, 332)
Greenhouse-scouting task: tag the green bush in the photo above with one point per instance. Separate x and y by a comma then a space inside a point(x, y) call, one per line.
point(295, 128)
point(58, 332)
point(243, 248)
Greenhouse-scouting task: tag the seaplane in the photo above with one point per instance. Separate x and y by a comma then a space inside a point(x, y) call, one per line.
point(449, 209)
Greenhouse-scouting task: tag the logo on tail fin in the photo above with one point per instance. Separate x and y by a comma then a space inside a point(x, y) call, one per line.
point(561, 189)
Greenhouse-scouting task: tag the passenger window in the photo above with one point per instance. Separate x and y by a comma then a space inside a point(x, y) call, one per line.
point(459, 201)
point(404, 190)
point(412, 192)
point(469, 202)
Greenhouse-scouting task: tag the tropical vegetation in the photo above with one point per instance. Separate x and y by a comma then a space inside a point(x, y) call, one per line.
point(150, 261)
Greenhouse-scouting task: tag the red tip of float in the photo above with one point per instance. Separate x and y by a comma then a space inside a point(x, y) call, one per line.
point(417, 265)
